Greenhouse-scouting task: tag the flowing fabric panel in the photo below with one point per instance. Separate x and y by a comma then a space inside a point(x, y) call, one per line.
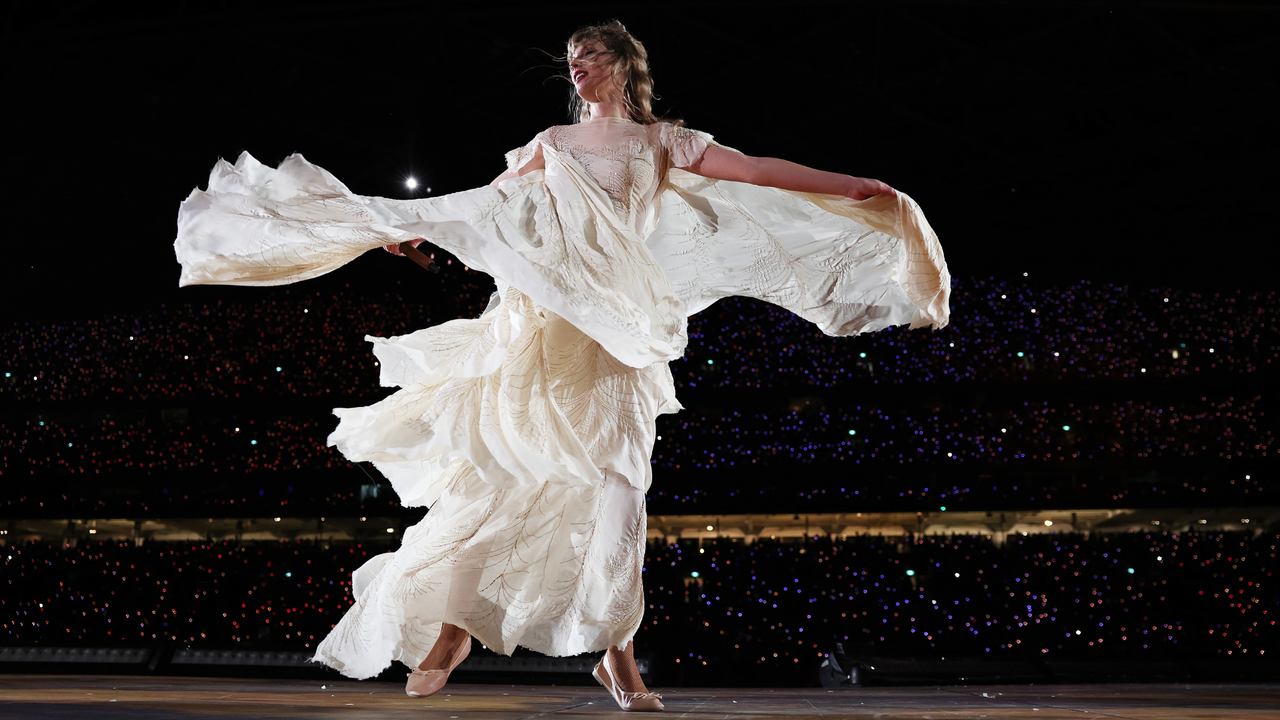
point(846, 266)
point(551, 234)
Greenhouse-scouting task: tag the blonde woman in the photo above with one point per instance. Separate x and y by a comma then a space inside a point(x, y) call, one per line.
point(528, 431)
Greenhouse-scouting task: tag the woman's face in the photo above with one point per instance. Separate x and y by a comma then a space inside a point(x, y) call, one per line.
point(591, 69)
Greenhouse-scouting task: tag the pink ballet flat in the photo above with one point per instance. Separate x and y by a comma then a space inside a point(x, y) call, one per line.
point(634, 701)
point(423, 683)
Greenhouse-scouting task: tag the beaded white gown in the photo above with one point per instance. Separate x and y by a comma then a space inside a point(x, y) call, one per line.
point(528, 430)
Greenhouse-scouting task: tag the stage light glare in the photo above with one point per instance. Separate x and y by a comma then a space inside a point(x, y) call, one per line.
point(710, 528)
point(911, 573)
point(1048, 523)
point(411, 183)
point(1066, 427)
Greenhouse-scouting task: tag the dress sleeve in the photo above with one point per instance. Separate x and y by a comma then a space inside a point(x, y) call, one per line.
point(517, 158)
point(683, 146)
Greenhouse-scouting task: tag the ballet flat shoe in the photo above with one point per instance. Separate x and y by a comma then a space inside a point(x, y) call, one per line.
point(634, 701)
point(423, 683)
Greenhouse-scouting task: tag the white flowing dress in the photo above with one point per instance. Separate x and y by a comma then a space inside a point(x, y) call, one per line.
point(528, 431)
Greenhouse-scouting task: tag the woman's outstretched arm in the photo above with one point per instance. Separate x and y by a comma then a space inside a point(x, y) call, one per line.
point(722, 164)
point(534, 163)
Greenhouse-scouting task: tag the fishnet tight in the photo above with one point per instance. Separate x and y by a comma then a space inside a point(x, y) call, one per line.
point(451, 638)
point(625, 672)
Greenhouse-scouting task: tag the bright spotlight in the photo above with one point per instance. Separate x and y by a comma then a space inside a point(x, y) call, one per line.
point(411, 183)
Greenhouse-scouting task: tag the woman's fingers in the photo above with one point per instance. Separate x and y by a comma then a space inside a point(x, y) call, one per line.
point(867, 187)
point(395, 249)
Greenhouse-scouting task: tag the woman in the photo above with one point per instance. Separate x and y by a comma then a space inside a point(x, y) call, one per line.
point(528, 431)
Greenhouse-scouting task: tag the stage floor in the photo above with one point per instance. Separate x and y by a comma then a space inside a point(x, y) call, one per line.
point(48, 697)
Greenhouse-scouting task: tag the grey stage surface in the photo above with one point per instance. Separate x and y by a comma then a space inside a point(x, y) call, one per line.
point(165, 698)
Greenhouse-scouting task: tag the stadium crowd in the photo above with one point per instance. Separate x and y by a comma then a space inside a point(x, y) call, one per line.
point(298, 344)
point(1043, 440)
point(716, 606)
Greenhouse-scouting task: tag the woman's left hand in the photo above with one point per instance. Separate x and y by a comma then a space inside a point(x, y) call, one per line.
point(863, 188)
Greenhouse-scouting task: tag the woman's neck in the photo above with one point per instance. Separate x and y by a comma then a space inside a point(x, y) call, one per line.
point(608, 109)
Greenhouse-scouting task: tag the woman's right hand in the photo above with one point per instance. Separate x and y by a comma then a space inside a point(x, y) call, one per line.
point(395, 249)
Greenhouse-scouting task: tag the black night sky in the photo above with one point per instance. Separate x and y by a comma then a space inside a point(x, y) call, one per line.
point(1120, 142)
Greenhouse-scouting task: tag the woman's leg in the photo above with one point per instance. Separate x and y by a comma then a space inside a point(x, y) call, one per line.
point(446, 647)
point(625, 672)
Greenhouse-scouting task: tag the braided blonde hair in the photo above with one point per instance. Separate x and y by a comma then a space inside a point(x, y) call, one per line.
point(630, 60)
